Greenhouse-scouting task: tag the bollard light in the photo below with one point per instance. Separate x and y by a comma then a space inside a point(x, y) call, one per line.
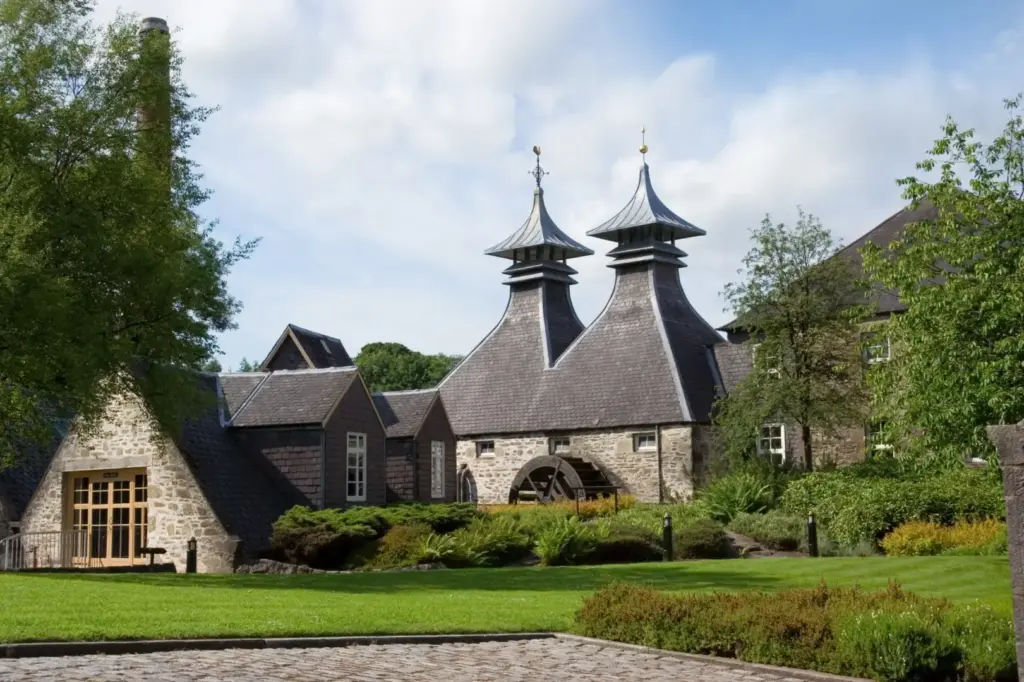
point(192, 544)
point(666, 537)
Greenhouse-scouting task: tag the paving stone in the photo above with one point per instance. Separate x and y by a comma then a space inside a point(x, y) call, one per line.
point(483, 662)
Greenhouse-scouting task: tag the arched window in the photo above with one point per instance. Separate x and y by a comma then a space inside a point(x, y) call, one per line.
point(465, 486)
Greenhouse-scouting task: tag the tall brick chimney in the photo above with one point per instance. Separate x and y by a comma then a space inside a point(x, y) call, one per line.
point(155, 90)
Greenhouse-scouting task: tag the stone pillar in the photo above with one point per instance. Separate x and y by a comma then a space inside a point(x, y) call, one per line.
point(1009, 441)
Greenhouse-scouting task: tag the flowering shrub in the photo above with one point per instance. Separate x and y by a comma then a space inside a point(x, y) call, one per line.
point(918, 538)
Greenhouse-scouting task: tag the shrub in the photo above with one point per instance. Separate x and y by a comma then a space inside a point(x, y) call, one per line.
point(919, 538)
point(399, 546)
point(651, 516)
point(328, 538)
point(775, 530)
point(887, 635)
point(493, 541)
point(703, 539)
point(588, 509)
point(737, 493)
point(626, 543)
point(853, 504)
point(322, 539)
point(569, 541)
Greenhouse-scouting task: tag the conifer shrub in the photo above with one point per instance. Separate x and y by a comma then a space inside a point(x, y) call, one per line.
point(922, 538)
point(701, 539)
point(775, 529)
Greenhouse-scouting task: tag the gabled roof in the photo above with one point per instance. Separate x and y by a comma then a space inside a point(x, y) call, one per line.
point(247, 494)
point(539, 230)
point(295, 397)
point(888, 231)
point(403, 412)
point(645, 209)
point(318, 350)
point(19, 482)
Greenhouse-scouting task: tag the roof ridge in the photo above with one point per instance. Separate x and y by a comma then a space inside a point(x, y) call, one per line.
point(315, 370)
point(406, 390)
point(311, 332)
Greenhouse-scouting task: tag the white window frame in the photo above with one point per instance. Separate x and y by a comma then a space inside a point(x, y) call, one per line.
point(561, 446)
point(875, 352)
point(437, 469)
point(873, 447)
point(355, 466)
point(764, 437)
point(485, 448)
point(770, 371)
point(639, 438)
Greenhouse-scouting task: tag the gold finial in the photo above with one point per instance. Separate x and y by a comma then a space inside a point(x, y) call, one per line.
point(538, 172)
point(643, 141)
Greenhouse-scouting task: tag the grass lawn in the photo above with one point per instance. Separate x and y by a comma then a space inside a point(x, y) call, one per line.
point(43, 607)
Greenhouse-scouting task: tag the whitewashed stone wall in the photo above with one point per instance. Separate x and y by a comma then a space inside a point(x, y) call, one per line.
point(610, 450)
point(178, 510)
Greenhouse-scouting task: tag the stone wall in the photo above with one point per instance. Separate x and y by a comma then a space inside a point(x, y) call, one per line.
point(178, 510)
point(1009, 441)
point(611, 450)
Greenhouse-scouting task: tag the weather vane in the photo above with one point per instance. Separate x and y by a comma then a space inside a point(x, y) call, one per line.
point(643, 142)
point(538, 172)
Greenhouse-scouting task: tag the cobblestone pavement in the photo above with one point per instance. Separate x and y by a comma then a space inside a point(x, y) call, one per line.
point(483, 662)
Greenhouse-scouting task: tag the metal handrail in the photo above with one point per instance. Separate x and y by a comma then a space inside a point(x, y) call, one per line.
point(52, 549)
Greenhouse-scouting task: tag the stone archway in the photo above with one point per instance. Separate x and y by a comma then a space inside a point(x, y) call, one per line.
point(465, 485)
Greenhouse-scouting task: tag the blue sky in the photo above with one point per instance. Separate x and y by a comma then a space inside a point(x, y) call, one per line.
point(379, 147)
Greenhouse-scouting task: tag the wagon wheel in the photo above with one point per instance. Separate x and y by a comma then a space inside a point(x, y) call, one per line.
point(545, 479)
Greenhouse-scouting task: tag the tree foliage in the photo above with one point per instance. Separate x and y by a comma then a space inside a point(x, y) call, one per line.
point(246, 365)
point(110, 282)
point(958, 350)
point(802, 308)
point(388, 366)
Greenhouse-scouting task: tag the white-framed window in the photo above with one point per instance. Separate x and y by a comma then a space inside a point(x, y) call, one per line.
point(485, 448)
point(645, 441)
point(771, 442)
point(560, 446)
point(772, 360)
point(356, 464)
point(437, 468)
point(876, 347)
point(878, 440)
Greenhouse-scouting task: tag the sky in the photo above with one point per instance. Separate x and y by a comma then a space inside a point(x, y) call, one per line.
point(378, 147)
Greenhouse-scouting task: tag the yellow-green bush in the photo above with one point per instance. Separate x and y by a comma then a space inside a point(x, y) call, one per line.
point(588, 509)
point(921, 538)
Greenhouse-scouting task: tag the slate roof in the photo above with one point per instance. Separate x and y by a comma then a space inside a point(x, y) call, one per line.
point(889, 230)
point(403, 411)
point(246, 494)
point(735, 361)
point(19, 482)
point(539, 230)
point(325, 351)
point(647, 359)
point(295, 397)
point(645, 209)
point(236, 389)
point(322, 351)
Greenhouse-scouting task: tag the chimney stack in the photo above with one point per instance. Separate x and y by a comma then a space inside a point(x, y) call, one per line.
point(155, 89)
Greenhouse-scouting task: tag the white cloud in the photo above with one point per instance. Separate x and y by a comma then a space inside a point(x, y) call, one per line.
point(381, 147)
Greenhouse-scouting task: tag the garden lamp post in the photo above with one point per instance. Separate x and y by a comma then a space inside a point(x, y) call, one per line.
point(190, 556)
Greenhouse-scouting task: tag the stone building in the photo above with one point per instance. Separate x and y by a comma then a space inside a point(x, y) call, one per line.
point(546, 407)
point(307, 432)
point(784, 442)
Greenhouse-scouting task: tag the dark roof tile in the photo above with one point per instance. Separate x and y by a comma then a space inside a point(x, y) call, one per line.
point(295, 397)
point(403, 411)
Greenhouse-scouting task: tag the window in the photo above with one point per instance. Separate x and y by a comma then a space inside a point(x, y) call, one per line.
point(356, 490)
point(437, 468)
point(877, 439)
point(771, 442)
point(485, 448)
point(876, 347)
point(645, 441)
point(559, 446)
point(109, 517)
point(771, 360)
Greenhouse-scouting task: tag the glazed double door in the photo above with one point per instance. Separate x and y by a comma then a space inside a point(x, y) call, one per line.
point(109, 517)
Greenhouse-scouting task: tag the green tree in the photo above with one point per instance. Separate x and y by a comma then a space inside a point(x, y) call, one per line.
point(248, 366)
point(110, 283)
point(958, 350)
point(800, 306)
point(388, 366)
point(212, 365)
